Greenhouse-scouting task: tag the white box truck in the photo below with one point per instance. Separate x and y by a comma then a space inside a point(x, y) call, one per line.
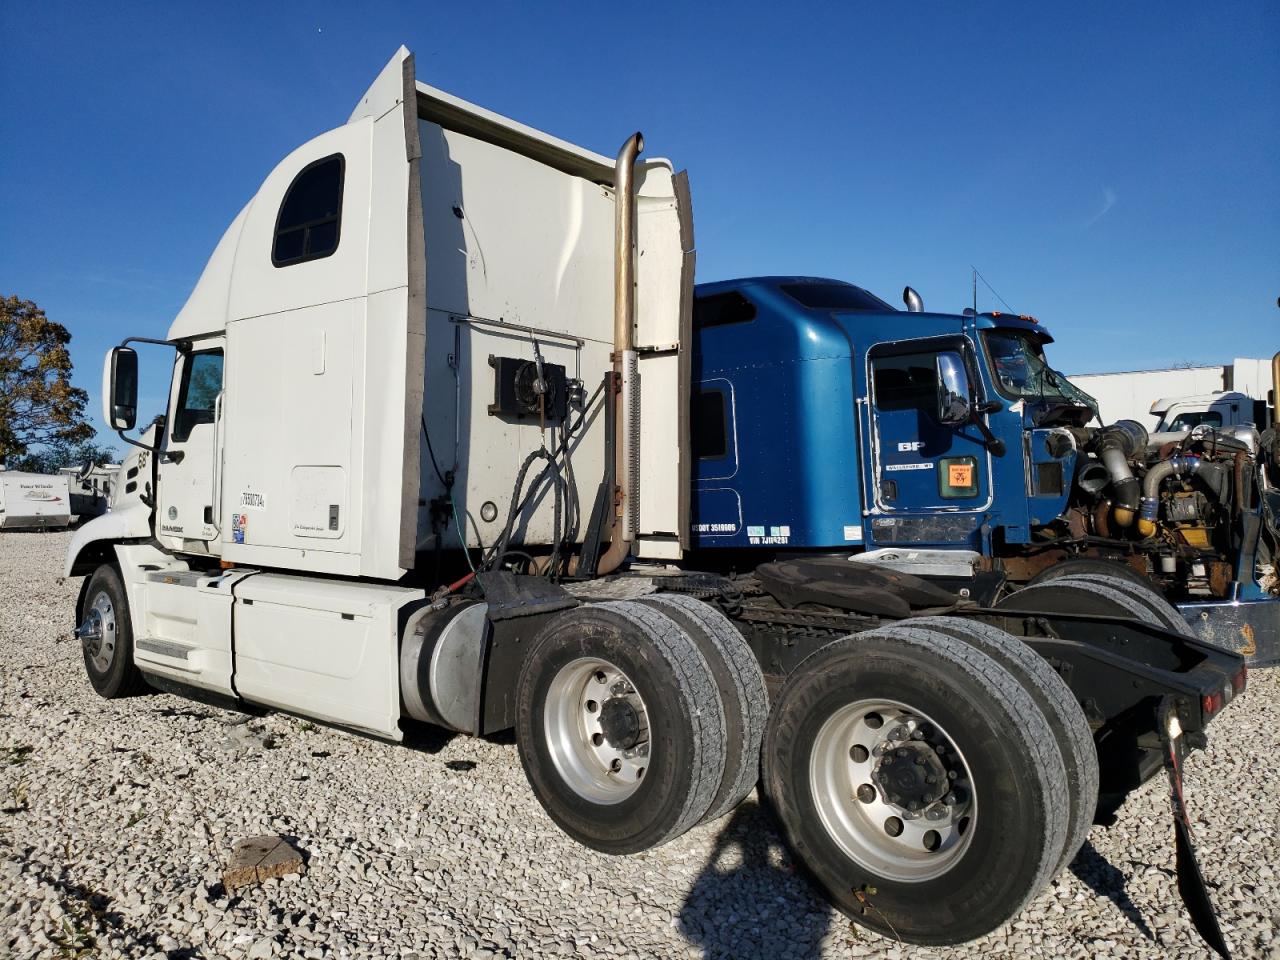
point(429, 409)
point(33, 501)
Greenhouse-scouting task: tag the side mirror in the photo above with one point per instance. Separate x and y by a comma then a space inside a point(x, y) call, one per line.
point(953, 389)
point(120, 388)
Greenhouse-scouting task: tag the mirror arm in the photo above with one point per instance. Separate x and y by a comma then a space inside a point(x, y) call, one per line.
point(137, 443)
point(990, 440)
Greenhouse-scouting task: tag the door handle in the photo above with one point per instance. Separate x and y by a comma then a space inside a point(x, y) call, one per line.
point(216, 460)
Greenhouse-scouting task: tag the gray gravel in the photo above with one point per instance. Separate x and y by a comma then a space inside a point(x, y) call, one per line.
point(118, 816)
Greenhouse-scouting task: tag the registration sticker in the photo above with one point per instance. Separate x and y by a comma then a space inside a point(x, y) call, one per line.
point(239, 525)
point(252, 500)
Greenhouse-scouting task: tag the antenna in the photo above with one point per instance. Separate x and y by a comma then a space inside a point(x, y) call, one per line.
point(979, 276)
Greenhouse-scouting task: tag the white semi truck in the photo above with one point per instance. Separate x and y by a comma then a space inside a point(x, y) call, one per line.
point(429, 409)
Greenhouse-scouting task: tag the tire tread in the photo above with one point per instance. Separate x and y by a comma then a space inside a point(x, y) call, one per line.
point(749, 693)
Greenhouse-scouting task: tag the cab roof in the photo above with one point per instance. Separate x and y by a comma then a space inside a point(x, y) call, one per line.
point(982, 321)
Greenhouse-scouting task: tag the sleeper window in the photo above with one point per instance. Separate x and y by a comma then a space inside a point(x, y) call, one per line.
point(710, 437)
point(309, 224)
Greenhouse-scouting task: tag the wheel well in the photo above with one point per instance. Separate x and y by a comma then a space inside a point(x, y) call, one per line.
point(93, 555)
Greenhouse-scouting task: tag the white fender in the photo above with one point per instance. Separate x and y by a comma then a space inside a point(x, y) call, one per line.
point(130, 521)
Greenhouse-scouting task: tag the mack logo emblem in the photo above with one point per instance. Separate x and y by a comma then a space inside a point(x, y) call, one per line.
point(173, 513)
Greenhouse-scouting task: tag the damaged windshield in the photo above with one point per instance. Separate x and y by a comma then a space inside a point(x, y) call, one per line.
point(1021, 370)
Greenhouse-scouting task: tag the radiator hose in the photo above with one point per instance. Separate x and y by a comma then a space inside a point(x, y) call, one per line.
point(1115, 446)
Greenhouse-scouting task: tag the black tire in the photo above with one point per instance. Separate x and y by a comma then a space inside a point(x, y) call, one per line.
point(685, 746)
point(108, 659)
point(1006, 744)
point(1059, 706)
point(743, 694)
point(1070, 595)
point(1144, 594)
point(1090, 566)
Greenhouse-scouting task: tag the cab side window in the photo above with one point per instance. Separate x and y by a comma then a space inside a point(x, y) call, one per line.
point(198, 397)
point(908, 381)
point(308, 226)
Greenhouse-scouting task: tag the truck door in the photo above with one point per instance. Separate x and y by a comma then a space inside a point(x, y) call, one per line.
point(930, 481)
point(191, 461)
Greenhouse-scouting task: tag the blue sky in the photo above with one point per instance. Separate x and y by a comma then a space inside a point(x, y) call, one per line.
point(1113, 169)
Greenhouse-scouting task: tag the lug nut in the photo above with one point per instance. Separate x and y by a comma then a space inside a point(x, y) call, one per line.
point(951, 774)
point(950, 799)
point(901, 751)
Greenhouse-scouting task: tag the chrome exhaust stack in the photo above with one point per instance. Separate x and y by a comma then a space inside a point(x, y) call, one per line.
point(627, 402)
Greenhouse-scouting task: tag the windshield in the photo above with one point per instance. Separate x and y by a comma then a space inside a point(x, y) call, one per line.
point(1021, 370)
point(1190, 418)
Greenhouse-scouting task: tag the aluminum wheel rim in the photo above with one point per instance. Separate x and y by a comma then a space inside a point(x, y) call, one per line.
point(592, 765)
point(98, 632)
point(855, 757)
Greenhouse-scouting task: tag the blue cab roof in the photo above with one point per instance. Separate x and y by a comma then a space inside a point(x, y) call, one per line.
point(922, 324)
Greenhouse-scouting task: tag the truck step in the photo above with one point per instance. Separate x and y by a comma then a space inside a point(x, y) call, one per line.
point(151, 647)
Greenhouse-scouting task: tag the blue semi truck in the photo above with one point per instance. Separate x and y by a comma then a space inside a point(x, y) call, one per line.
point(824, 420)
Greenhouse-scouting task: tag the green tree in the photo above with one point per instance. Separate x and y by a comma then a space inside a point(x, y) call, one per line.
point(53, 457)
point(38, 404)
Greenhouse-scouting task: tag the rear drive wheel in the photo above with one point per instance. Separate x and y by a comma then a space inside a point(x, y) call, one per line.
point(1091, 566)
point(918, 781)
point(1059, 706)
point(743, 694)
point(106, 636)
point(1143, 593)
point(1075, 595)
point(619, 726)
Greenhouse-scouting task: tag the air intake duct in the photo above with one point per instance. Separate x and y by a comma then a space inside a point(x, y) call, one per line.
point(1115, 446)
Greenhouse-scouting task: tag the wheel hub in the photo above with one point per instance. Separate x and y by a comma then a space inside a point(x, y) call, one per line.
point(90, 633)
point(97, 632)
point(620, 723)
point(911, 776)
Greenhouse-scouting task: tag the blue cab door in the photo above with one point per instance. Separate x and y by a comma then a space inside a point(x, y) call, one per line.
point(929, 482)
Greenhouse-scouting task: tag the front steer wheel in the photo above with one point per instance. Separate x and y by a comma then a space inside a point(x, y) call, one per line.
point(106, 636)
point(620, 727)
point(919, 783)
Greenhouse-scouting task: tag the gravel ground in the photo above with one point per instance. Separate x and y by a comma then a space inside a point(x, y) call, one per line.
point(118, 816)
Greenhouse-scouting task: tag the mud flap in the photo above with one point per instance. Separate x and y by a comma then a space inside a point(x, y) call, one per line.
point(1191, 885)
